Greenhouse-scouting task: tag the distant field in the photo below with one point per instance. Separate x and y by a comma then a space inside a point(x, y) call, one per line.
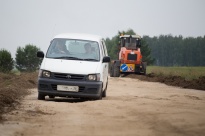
point(188, 73)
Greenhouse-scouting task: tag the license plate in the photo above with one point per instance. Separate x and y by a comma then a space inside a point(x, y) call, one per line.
point(67, 88)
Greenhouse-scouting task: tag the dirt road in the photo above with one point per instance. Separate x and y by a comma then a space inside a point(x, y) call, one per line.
point(131, 108)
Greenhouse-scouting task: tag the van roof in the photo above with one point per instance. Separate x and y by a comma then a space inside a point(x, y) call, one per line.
point(79, 36)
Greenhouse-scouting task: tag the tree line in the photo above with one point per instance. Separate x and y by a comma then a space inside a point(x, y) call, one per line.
point(25, 60)
point(168, 50)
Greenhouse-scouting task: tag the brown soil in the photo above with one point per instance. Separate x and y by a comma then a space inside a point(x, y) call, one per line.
point(13, 88)
point(198, 84)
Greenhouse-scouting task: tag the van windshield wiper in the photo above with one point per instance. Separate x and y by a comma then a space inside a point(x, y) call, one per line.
point(90, 59)
point(69, 58)
point(74, 58)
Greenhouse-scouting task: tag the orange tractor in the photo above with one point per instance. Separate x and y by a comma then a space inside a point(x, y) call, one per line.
point(130, 57)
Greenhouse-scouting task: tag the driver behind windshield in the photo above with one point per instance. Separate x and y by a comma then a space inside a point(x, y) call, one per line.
point(89, 53)
point(60, 48)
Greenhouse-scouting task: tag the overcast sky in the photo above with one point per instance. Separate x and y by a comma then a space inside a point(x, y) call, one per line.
point(38, 21)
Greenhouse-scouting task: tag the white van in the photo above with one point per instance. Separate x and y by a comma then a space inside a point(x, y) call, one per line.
point(75, 65)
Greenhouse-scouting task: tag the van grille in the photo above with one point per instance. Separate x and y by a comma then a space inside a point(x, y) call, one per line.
point(69, 76)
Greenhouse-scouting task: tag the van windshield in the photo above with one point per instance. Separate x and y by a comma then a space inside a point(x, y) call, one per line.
point(73, 49)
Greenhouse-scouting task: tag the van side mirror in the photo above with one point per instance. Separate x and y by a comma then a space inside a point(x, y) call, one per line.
point(106, 59)
point(40, 54)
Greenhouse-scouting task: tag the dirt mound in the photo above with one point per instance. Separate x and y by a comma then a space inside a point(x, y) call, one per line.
point(198, 84)
point(13, 88)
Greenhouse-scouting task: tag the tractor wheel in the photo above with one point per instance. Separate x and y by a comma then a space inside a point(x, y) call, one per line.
point(144, 65)
point(111, 70)
point(144, 71)
point(116, 71)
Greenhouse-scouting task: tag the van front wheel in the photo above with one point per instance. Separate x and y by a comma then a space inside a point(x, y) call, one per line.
point(41, 96)
point(100, 97)
point(104, 92)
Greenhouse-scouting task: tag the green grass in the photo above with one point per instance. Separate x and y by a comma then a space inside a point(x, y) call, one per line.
point(189, 73)
point(15, 71)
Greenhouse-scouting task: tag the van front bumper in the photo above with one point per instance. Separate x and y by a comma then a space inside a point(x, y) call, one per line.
point(87, 89)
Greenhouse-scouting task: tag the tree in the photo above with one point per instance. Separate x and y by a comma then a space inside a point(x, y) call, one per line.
point(6, 61)
point(26, 59)
point(146, 53)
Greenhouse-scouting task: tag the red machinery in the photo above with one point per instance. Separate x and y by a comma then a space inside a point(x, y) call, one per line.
point(130, 57)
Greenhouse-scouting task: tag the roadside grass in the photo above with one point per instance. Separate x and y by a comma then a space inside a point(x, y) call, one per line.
point(15, 71)
point(188, 73)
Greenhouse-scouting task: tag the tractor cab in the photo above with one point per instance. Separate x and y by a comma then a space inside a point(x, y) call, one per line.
point(131, 42)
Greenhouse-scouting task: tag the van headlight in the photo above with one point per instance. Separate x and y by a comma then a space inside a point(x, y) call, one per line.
point(44, 73)
point(93, 77)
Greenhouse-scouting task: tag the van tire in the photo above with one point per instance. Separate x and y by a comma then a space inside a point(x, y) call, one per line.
point(41, 96)
point(100, 97)
point(104, 93)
